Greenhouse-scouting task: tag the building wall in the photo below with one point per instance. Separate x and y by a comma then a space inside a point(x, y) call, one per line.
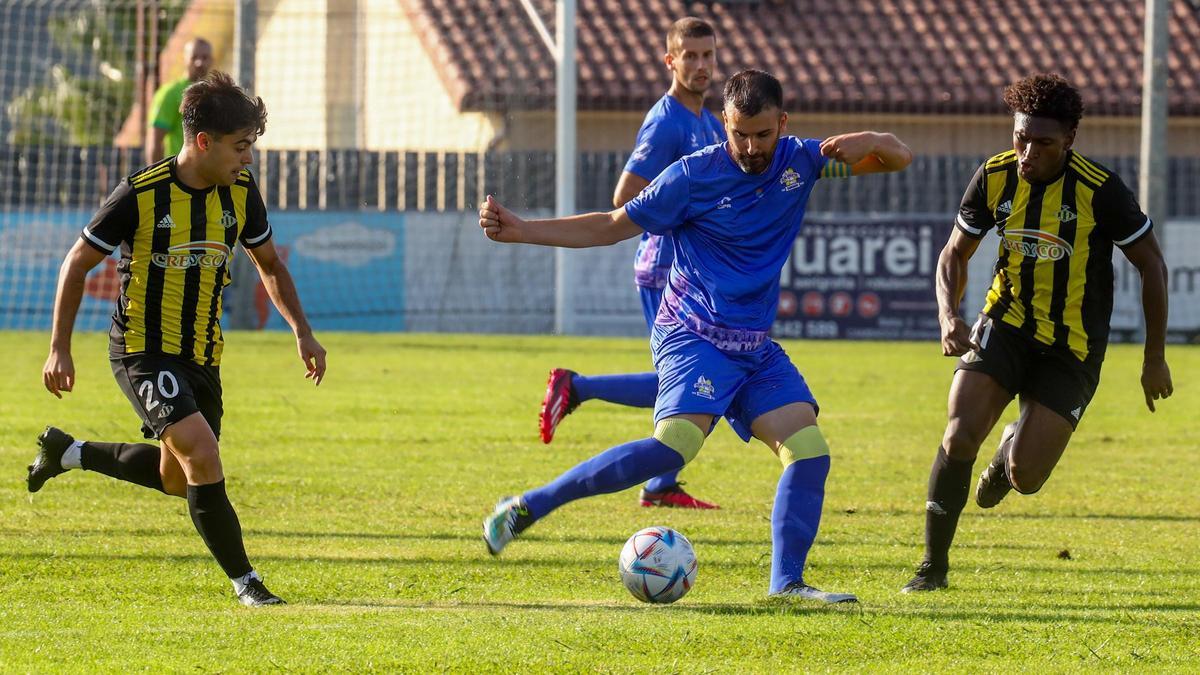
point(290, 72)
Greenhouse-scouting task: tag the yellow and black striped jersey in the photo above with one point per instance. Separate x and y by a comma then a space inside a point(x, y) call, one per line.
point(176, 244)
point(1053, 276)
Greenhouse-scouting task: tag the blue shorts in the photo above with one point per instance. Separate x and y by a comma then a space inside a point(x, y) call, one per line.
point(651, 297)
point(694, 377)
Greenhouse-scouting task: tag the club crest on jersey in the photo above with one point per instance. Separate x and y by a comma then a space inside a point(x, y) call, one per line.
point(790, 180)
point(704, 388)
point(210, 254)
point(1066, 215)
point(1045, 245)
point(228, 220)
point(641, 152)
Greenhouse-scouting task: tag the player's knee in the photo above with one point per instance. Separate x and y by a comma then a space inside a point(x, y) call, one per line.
point(175, 485)
point(681, 436)
point(1024, 478)
point(807, 443)
point(961, 440)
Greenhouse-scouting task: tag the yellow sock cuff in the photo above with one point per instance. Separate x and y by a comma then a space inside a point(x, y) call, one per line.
point(804, 444)
point(681, 436)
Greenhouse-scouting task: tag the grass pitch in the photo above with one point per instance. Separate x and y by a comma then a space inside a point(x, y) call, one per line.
point(361, 502)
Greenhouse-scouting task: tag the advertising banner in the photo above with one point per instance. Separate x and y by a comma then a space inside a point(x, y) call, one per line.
point(861, 278)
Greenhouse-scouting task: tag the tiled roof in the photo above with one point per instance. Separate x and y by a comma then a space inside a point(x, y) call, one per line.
point(898, 56)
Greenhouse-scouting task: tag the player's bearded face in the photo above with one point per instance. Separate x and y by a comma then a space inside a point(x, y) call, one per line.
point(752, 138)
point(1041, 144)
point(693, 62)
point(226, 156)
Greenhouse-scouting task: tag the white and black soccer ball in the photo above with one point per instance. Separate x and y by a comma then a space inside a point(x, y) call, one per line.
point(658, 565)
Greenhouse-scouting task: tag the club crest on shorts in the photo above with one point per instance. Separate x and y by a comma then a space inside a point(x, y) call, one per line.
point(704, 388)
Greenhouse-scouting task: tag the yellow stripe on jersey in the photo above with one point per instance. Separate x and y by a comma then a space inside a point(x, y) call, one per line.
point(152, 175)
point(1100, 174)
point(1077, 339)
point(174, 277)
point(995, 189)
point(1015, 315)
point(1043, 270)
point(139, 274)
point(1001, 159)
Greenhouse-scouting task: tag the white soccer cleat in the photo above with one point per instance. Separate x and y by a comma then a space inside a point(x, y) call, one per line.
point(806, 592)
point(505, 523)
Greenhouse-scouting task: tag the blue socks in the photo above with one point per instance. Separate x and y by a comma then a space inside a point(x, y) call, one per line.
point(660, 483)
point(637, 390)
point(613, 470)
point(795, 518)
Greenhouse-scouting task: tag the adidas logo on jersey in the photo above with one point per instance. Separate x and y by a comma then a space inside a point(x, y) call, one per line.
point(1006, 207)
point(166, 223)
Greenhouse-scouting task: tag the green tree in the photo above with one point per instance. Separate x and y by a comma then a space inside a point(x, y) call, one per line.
point(87, 108)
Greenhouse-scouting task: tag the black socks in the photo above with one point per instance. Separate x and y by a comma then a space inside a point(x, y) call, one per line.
point(949, 485)
point(218, 526)
point(136, 463)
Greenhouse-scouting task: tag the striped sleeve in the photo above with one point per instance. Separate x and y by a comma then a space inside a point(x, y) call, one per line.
point(974, 217)
point(115, 222)
point(257, 230)
point(1118, 213)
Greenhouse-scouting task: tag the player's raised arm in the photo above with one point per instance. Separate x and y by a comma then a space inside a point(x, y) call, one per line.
point(582, 231)
point(865, 152)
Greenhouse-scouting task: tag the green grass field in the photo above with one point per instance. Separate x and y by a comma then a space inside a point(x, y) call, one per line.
point(362, 500)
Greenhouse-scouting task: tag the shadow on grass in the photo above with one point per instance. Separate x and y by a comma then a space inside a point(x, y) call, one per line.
point(833, 540)
point(585, 564)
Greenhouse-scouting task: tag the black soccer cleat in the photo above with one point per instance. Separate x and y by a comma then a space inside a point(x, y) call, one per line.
point(48, 462)
point(928, 578)
point(993, 483)
point(255, 594)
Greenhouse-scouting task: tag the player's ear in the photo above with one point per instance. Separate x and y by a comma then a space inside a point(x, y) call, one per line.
point(1070, 140)
point(782, 123)
point(203, 140)
point(669, 59)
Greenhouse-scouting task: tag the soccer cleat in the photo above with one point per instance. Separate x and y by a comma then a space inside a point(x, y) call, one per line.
point(560, 401)
point(255, 594)
point(927, 578)
point(802, 591)
point(674, 497)
point(993, 483)
point(508, 520)
point(48, 462)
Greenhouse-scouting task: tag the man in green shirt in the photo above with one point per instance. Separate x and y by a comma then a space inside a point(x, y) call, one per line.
point(164, 137)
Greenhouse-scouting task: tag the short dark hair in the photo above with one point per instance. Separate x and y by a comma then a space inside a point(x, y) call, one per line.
point(688, 27)
point(751, 91)
point(218, 106)
point(1045, 95)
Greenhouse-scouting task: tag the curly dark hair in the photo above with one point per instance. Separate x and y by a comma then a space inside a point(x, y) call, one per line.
point(1045, 95)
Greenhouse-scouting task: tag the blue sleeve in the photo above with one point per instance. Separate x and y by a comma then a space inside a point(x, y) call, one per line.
point(657, 146)
point(812, 148)
point(663, 205)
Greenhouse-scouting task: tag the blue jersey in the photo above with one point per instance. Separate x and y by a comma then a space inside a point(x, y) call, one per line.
point(732, 233)
point(669, 132)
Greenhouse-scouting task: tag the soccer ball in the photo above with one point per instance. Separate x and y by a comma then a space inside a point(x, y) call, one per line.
point(658, 565)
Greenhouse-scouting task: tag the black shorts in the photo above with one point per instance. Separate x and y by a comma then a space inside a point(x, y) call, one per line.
point(165, 389)
point(1052, 376)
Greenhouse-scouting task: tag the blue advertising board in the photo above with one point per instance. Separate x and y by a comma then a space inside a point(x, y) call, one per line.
point(862, 278)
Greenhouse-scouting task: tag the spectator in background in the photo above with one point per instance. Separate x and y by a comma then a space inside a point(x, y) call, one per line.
point(164, 136)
